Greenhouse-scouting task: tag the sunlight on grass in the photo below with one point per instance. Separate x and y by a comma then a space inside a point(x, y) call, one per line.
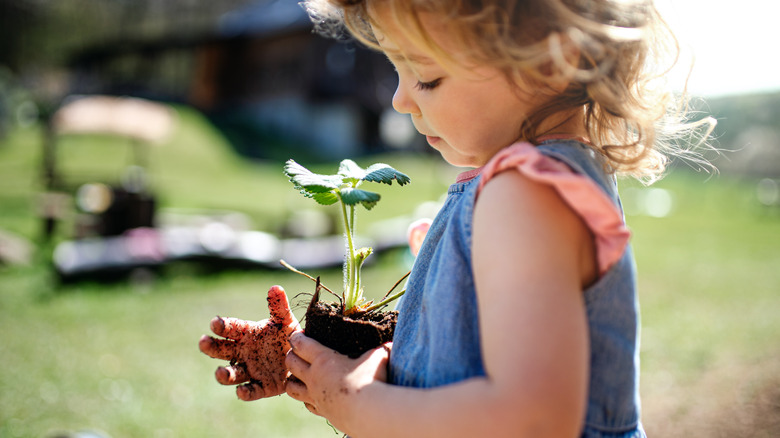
point(708, 283)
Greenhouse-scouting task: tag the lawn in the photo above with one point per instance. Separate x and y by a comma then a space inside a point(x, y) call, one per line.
point(123, 359)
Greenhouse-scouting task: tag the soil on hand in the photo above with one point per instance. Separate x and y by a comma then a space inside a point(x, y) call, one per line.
point(350, 335)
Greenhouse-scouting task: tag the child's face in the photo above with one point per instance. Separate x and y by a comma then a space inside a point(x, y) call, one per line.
point(467, 114)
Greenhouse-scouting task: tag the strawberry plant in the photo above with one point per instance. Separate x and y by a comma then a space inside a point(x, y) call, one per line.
point(344, 188)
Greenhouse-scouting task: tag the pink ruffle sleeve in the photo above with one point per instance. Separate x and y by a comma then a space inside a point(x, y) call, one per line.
point(582, 194)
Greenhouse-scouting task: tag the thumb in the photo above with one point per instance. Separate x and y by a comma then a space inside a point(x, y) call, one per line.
point(307, 348)
point(379, 358)
point(279, 306)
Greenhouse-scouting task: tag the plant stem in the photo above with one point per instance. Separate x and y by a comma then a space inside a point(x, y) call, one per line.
point(355, 278)
point(349, 295)
point(293, 269)
point(396, 284)
point(356, 264)
point(385, 301)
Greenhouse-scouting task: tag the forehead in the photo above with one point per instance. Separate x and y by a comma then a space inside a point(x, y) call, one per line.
point(410, 44)
point(412, 57)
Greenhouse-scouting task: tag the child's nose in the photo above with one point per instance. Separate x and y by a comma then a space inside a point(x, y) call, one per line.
point(403, 103)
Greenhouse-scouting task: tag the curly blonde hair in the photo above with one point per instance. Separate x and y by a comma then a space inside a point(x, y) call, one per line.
point(621, 52)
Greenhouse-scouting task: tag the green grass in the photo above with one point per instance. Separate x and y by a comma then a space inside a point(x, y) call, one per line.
point(123, 358)
point(709, 283)
point(709, 274)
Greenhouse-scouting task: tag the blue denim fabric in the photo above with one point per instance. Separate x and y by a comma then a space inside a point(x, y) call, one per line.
point(437, 340)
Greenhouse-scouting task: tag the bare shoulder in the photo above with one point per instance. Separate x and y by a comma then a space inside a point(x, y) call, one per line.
point(523, 200)
point(524, 220)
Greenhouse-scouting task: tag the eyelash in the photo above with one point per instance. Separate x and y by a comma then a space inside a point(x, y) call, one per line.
point(426, 86)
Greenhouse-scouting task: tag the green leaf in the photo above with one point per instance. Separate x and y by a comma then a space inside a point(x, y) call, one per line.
point(364, 252)
point(352, 196)
point(327, 198)
point(308, 181)
point(291, 169)
point(315, 183)
point(383, 173)
point(350, 170)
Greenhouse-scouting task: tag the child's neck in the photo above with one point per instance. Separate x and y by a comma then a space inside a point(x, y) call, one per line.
point(564, 125)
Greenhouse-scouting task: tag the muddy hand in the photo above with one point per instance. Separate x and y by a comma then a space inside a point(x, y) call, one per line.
point(255, 349)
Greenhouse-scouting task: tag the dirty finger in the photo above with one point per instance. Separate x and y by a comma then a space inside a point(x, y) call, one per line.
point(232, 375)
point(252, 391)
point(218, 348)
point(232, 328)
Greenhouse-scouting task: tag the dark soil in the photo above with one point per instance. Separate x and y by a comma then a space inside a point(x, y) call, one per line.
point(350, 335)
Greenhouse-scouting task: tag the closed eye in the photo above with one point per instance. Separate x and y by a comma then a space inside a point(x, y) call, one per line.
point(426, 86)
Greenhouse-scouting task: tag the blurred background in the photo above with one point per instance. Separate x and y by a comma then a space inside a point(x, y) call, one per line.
point(141, 193)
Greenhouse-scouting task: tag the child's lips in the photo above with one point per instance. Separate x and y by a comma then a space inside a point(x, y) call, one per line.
point(432, 140)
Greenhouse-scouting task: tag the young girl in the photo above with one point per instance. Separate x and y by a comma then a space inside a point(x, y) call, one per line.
point(520, 317)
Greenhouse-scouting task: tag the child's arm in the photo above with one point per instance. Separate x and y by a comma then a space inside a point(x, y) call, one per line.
point(255, 349)
point(532, 258)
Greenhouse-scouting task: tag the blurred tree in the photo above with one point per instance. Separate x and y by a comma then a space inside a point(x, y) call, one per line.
point(45, 33)
point(19, 20)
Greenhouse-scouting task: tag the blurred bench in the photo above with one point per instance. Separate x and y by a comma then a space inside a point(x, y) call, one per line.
point(130, 122)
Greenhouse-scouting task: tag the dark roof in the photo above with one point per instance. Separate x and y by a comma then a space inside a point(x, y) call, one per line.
point(264, 18)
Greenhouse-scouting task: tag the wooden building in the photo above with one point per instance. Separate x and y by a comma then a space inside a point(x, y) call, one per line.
point(264, 78)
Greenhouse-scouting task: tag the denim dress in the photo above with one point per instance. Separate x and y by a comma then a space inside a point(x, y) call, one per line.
point(437, 339)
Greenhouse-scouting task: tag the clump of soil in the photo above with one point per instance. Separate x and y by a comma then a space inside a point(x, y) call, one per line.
point(350, 335)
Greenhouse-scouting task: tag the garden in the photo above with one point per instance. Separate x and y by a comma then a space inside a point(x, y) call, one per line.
point(121, 358)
